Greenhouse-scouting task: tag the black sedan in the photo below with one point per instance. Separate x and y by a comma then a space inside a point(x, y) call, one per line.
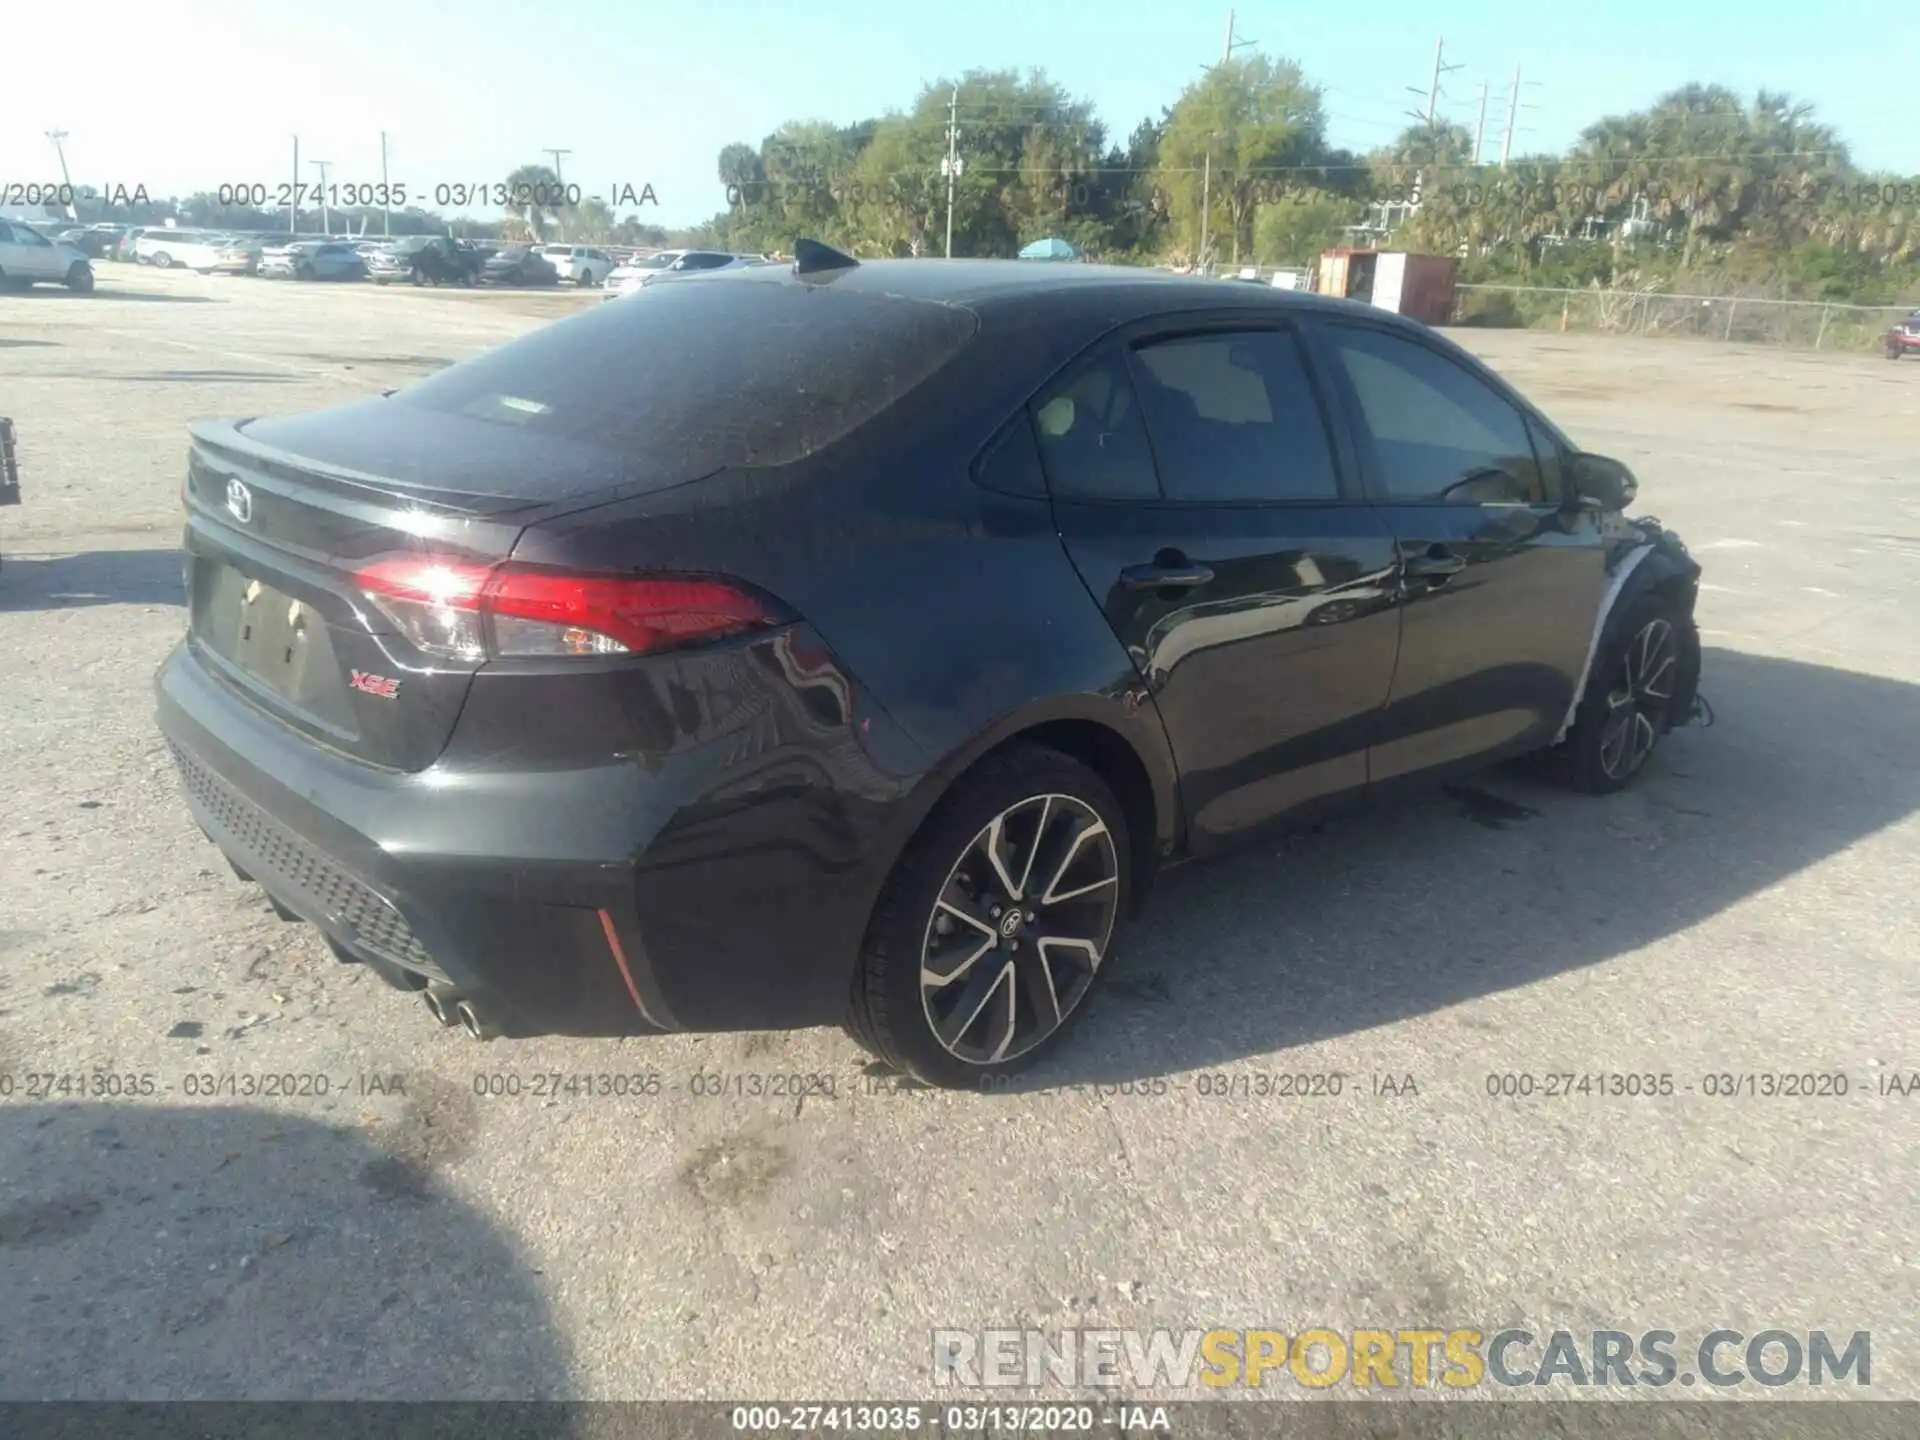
point(853, 642)
point(519, 265)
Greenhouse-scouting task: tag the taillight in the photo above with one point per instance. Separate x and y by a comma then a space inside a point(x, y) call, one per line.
point(474, 611)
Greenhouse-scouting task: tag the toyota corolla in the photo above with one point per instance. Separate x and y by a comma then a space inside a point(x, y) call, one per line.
point(853, 642)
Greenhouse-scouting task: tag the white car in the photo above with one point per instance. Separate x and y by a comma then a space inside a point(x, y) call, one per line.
point(585, 265)
point(27, 257)
point(638, 273)
point(194, 249)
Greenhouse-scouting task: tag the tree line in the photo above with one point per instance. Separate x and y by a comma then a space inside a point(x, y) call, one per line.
point(1702, 188)
point(1701, 184)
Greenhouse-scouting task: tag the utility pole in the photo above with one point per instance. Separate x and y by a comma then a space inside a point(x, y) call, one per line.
point(952, 165)
point(1206, 206)
point(293, 195)
point(1227, 47)
point(1480, 130)
point(58, 136)
point(386, 207)
point(1431, 115)
point(326, 226)
point(1231, 44)
point(1513, 112)
point(560, 206)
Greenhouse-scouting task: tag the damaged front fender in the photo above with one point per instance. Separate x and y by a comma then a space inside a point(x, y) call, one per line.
point(1646, 556)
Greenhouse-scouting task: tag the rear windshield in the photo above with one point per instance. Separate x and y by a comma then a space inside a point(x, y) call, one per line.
point(701, 375)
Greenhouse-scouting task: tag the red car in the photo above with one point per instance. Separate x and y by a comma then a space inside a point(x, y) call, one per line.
point(1904, 338)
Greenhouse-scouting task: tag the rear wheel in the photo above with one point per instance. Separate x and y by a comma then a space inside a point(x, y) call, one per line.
point(1628, 703)
point(303, 272)
point(80, 277)
point(162, 260)
point(996, 922)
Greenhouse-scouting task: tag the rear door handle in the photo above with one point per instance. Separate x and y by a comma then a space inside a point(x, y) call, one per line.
point(1436, 564)
point(1165, 577)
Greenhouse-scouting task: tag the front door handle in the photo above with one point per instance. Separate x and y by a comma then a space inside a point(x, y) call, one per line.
point(1166, 577)
point(1438, 563)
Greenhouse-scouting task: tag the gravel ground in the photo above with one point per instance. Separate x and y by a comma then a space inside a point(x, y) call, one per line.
point(1748, 908)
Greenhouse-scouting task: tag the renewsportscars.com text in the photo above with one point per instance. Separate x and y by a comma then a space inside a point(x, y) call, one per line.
point(1456, 1358)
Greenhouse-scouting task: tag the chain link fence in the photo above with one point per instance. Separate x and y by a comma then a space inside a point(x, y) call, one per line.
point(1800, 324)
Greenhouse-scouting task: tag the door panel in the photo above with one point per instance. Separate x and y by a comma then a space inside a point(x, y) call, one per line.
point(1498, 585)
point(1200, 495)
point(1490, 656)
point(1270, 675)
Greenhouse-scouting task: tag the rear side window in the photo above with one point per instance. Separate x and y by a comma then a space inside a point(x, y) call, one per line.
point(731, 372)
point(1092, 441)
point(1233, 417)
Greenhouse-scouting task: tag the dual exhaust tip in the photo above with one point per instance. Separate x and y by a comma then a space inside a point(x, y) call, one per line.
point(451, 1008)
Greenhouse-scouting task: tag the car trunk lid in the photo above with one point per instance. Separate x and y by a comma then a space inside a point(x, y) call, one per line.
point(283, 515)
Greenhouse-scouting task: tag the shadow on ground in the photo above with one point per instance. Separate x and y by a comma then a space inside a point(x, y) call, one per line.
point(217, 1251)
point(54, 294)
point(91, 577)
point(1502, 881)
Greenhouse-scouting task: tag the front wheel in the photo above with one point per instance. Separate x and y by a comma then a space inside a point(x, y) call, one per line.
point(303, 272)
point(80, 277)
point(996, 923)
point(1894, 351)
point(1628, 704)
point(163, 261)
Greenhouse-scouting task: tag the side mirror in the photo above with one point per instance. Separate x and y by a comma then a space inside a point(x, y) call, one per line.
point(1596, 482)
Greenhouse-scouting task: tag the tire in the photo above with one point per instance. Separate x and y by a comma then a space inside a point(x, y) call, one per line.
point(303, 272)
point(161, 260)
point(80, 278)
point(1623, 713)
point(1895, 351)
point(1049, 815)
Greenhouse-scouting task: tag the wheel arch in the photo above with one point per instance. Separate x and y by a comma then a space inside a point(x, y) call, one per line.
point(1120, 748)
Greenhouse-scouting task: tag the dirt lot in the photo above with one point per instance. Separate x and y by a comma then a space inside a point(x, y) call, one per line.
point(1749, 908)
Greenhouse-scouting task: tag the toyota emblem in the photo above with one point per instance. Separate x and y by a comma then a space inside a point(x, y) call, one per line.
point(239, 501)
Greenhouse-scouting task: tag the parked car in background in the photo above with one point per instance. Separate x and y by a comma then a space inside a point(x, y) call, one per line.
point(124, 247)
point(640, 273)
point(28, 258)
point(95, 242)
point(423, 260)
point(330, 260)
point(585, 265)
point(519, 265)
point(241, 254)
point(313, 260)
point(1904, 338)
point(170, 249)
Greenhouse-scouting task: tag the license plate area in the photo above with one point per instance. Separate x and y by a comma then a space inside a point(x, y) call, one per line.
point(273, 642)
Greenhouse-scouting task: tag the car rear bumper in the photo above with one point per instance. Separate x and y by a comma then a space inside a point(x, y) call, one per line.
point(622, 893)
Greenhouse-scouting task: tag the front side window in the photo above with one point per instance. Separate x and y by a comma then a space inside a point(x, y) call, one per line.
point(1233, 418)
point(1439, 433)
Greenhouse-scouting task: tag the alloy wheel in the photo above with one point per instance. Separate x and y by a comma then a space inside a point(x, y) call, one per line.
point(1019, 929)
point(1637, 704)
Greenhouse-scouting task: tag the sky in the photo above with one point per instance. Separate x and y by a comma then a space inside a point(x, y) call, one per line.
point(186, 98)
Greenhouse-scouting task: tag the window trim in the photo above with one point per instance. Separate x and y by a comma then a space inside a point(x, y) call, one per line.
point(1321, 341)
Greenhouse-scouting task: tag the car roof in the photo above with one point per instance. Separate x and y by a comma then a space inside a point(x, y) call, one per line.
point(1118, 294)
